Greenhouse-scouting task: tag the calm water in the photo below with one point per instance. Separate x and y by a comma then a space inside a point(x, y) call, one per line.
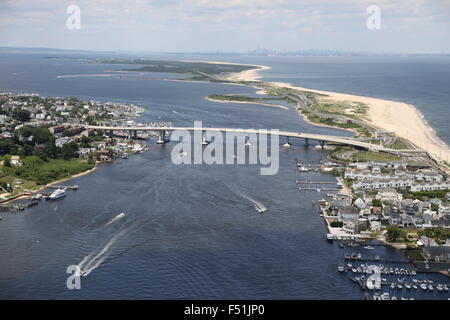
point(188, 231)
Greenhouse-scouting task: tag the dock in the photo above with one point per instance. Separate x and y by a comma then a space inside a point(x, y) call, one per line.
point(74, 187)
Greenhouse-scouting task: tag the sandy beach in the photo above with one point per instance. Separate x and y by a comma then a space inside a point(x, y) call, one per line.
point(401, 118)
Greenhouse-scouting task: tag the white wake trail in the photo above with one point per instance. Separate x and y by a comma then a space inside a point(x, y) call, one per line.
point(87, 267)
point(259, 206)
point(118, 217)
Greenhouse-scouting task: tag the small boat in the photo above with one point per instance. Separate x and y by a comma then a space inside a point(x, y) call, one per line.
point(430, 287)
point(349, 265)
point(439, 288)
point(413, 272)
point(330, 237)
point(368, 248)
point(37, 196)
point(415, 287)
point(359, 256)
point(423, 286)
point(354, 270)
point(399, 286)
point(347, 256)
point(445, 288)
point(341, 268)
point(394, 298)
point(393, 285)
point(385, 296)
point(57, 194)
point(408, 286)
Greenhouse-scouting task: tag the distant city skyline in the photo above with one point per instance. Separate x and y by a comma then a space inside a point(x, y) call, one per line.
point(413, 26)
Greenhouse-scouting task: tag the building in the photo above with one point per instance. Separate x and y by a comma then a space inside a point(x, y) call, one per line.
point(15, 161)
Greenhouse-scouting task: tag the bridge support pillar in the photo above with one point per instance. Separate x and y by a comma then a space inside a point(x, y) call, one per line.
point(162, 137)
point(287, 144)
point(306, 143)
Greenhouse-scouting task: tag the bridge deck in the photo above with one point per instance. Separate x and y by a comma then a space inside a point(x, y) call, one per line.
point(290, 134)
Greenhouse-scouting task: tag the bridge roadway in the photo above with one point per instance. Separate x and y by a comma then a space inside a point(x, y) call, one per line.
point(289, 134)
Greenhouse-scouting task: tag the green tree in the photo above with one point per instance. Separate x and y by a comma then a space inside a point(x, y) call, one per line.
point(376, 203)
point(394, 234)
point(21, 115)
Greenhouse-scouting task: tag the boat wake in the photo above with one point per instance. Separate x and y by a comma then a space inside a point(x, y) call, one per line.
point(259, 206)
point(118, 217)
point(94, 259)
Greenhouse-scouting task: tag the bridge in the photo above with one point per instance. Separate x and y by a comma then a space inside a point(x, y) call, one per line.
point(322, 139)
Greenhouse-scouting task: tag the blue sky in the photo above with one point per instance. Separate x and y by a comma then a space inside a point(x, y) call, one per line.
point(409, 26)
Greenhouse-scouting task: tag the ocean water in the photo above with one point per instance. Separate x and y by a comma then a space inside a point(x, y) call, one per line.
point(188, 232)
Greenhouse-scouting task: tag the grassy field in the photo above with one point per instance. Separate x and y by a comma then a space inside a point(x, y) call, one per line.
point(364, 156)
point(35, 172)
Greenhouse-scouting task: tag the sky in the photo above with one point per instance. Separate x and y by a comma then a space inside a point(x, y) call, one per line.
point(405, 26)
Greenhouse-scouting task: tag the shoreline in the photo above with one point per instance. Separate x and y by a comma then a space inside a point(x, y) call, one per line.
point(247, 102)
point(403, 119)
point(52, 184)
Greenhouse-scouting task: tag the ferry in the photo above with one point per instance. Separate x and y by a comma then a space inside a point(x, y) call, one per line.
point(57, 194)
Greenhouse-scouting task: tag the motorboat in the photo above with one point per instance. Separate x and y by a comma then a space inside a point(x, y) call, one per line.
point(57, 194)
point(341, 268)
point(330, 237)
point(369, 248)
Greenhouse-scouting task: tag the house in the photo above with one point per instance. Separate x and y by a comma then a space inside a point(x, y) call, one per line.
point(62, 141)
point(15, 161)
point(349, 227)
point(437, 253)
point(375, 226)
point(348, 213)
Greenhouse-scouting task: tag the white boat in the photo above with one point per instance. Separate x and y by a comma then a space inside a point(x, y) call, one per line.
point(57, 194)
point(341, 269)
point(369, 248)
point(37, 196)
point(330, 237)
point(385, 296)
point(423, 286)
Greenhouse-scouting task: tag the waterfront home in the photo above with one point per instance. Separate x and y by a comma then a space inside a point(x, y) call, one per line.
point(348, 213)
point(84, 152)
point(337, 204)
point(349, 227)
point(375, 226)
point(15, 161)
point(437, 253)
